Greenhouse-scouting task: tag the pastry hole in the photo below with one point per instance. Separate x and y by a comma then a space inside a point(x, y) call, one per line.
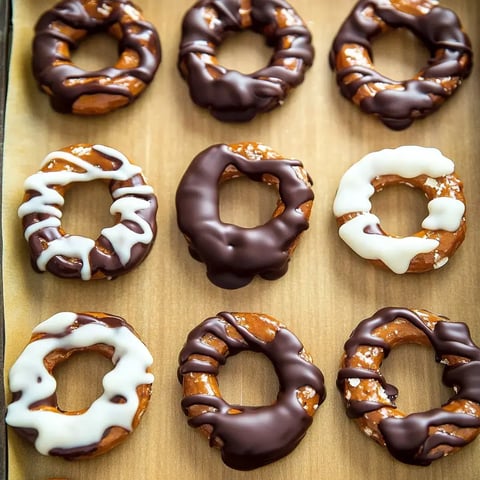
point(87, 209)
point(246, 203)
point(400, 208)
point(422, 391)
point(398, 54)
point(79, 380)
point(248, 379)
point(96, 52)
point(244, 51)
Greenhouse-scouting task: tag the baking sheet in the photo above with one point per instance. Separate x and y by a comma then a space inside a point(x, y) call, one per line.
point(326, 292)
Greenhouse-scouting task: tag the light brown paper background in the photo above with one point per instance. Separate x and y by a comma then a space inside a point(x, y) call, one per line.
point(326, 292)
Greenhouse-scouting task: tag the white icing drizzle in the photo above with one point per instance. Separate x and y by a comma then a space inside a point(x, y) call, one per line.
point(29, 376)
point(408, 161)
point(396, 253)
point(354, 192)
point(49, 202)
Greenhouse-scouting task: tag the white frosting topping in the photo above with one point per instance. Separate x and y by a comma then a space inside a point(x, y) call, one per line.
point(29, 376)
point(355, 187)
point(355, 190)
point(396, 253)
point(49, 202)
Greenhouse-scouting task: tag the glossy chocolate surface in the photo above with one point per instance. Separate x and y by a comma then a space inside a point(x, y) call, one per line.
point(234, 255)
point(52, 65)
point(229, 94)
point(450, 61)
point(408, 439)
point(257, 435)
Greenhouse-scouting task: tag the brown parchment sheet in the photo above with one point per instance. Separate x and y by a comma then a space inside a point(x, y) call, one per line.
point(326, 292)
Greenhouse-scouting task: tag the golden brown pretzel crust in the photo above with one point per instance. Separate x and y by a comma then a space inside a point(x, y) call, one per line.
point(370, 390)
point(447, 186)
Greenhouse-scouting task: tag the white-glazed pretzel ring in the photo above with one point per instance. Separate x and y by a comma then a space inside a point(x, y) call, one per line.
point(34, 412)
point(443, 230)
point(119, 248)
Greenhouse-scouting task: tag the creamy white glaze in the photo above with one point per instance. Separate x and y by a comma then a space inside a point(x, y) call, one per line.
point(49, 202)
point(354, 192)
point(29, 376)
point(395, 253)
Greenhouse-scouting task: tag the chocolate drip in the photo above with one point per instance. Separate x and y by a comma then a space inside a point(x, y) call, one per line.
point(408, 439)
point(258, 435)
point(230, 95)
point(234, 255)
point(441, 32)
point(52, 68)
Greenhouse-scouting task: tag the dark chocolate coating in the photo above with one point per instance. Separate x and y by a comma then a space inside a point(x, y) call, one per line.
point(450, 58)
point(408, 438)
point(104, 261)
point(258, 435)
point(234, 255)
point(230, 95)
point(52, 69)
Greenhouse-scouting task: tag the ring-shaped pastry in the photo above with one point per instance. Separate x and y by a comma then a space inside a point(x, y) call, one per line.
point(74, 90)
point(398, 103)
point(119, 248)
point(418, 438)
point(111, 418)
point(443, 230)
point(229, 94)
point(234, 255)
point(249, 437)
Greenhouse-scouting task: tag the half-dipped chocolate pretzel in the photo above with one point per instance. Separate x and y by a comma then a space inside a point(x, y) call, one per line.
point(74, 90)
point(398, 103)
point(443, 230)
point(418, 438)
point(34, 412)
point(119, 248)
point(249, 437)
point(229, 94)
point(234, 255)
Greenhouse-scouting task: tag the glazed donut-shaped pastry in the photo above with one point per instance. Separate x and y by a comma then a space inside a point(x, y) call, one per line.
point(119, 248)
point(229, 94)
point(74, 90)
point(443, 230)
point(249, 437)
point(111, 418)
point(398, 103)
point(234, 255)
point(418, 438)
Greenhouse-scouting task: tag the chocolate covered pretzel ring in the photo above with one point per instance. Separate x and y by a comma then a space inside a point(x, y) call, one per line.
point(119, 248)
point(229, 94)
point(398, 103)
point(74, 90)
point(249, 437)
point(443, 230)
point(111, 418)
point(418, 438)
point(234, 255)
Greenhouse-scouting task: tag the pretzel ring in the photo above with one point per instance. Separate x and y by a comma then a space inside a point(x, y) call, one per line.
point(34, 412)
point(418, 438)
point(399, 103)
point(249, 437)
point(74, 90)
point(229, 94)
point(234, 255)
point(119, 248)
point(443, 230)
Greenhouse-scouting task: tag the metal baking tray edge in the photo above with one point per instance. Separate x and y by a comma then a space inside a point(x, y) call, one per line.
point(5, 44)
